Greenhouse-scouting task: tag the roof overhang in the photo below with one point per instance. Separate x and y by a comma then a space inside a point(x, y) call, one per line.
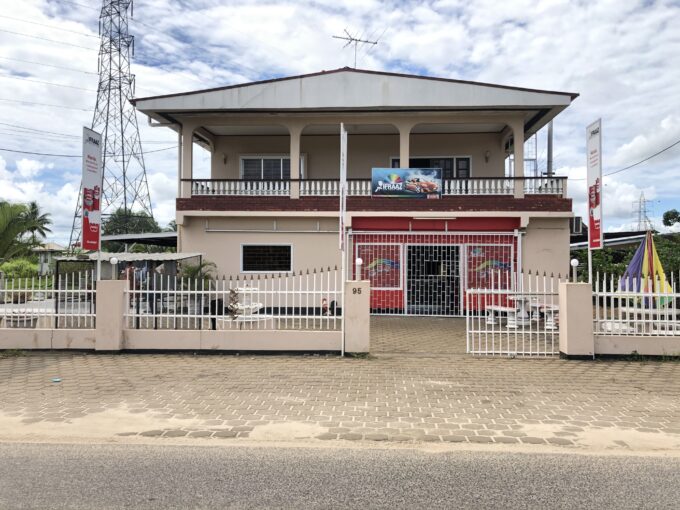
point(358, 92)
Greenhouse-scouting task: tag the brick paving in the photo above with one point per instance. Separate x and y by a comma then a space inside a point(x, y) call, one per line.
point(431, 335)
point(410, 398)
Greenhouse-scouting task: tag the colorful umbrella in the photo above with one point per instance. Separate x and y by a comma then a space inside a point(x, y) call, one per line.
point(645, 272)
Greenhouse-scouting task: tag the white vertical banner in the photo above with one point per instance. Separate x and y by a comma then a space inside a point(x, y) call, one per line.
point(594, 179)
point(92, 190)
point(343, 187)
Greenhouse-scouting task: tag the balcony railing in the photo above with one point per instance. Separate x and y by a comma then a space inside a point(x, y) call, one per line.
point(362, 187)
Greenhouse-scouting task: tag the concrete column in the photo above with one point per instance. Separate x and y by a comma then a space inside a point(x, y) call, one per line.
point(404, 145)
point(576, 319)
point(356, 311)
point(187, 160)
point(518, 139)
point(295, 131)
point(110, 314)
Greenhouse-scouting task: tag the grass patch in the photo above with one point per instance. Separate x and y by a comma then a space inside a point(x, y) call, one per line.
point(12, 353)
point(359, 355)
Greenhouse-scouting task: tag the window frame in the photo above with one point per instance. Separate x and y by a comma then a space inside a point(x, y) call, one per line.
point(453, 157)
point(280, 156)
point(241, 265)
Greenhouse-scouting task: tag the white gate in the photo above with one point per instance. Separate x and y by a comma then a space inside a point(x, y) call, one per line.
point(425, 272)
point(518, 315)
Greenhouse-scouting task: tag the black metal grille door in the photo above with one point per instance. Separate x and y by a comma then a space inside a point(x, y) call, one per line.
point(433, 280)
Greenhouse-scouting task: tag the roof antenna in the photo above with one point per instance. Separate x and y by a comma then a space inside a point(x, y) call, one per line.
point(353, 40)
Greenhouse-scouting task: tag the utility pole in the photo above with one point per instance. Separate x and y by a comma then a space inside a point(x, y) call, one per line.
point(550, 150)
point(125, 184)
point(353, 40)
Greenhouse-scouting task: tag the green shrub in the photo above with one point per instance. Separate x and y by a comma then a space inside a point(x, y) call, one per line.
point(19, 268)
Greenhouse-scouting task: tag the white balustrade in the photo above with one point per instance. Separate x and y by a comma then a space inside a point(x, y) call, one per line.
point(362, 187)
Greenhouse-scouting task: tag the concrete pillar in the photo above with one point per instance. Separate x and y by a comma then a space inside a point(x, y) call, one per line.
point(518, 139)
point(295, 131)
point(187, 160)
point(576, 320)
point(111, 303)
point(404, 145)
point(356, 311)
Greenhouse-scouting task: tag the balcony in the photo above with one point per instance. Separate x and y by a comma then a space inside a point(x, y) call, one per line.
point(491, 186)
point(503, 194)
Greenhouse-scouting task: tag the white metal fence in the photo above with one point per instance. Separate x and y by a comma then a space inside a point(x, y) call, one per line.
point(636, 307)
point(517, 315)
point(310, 300)
point(56, 301)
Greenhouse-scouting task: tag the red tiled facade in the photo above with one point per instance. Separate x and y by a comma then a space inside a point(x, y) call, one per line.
point(445, 204)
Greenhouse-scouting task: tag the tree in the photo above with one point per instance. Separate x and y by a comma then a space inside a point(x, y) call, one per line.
point(40, 222)
point(671, 217)
point(125, 221)
point(15, 223)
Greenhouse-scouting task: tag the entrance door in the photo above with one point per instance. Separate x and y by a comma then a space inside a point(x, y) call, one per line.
point(433, 280)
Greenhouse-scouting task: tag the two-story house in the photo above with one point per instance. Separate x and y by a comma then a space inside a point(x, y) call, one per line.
point(271, 202)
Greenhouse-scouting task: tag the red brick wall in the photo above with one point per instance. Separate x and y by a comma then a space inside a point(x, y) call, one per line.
point(445, 204)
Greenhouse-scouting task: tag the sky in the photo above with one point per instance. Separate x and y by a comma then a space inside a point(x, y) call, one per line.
point(621, 56)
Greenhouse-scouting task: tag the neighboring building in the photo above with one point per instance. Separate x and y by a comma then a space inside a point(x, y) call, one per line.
point(271, 202)
point(46, 255)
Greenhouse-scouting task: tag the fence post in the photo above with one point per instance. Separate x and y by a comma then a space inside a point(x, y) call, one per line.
point(356, 314)
point(576, 320)
point(111, 303)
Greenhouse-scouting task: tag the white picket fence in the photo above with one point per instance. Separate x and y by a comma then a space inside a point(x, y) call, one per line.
point(638, 307)
point(515, 315)
point(56, 301)
point(309, 300)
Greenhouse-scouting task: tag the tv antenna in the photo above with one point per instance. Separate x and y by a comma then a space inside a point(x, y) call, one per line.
point(353, 40)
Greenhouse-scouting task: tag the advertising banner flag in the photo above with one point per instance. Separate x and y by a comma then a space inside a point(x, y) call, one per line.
point(594, 178)
point(92, 189)
point(406, 182)
point(343, 186)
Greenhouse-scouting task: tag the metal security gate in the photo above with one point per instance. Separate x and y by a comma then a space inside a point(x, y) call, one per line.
point(425, 272)
point(517, 315)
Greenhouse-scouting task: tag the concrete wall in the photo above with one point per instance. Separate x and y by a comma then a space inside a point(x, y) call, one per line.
point(322, 152)
point(314, 240)
point(546, 246)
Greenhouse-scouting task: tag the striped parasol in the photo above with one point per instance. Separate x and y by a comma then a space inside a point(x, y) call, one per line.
point(645, 272)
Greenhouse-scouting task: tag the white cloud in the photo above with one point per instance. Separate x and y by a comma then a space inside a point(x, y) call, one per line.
point(29, 168)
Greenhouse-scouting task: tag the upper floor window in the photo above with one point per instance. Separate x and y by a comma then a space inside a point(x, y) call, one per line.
point(454, 167)
point(265, 168)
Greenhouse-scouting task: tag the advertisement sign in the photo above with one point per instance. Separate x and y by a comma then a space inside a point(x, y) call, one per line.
point(92, 189)
point(382, 265)
point(406, 182)
point(594, 178)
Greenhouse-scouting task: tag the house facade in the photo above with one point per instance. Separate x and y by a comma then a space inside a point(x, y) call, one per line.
point(271, 202)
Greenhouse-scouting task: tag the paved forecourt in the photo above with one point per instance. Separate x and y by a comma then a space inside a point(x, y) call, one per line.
point(617, 405)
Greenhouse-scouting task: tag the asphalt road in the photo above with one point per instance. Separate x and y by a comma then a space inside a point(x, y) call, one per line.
point(139, 476)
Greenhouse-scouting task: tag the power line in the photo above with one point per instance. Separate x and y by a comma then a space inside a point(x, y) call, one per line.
point(49, 26)
point(10, 77)
point(677, 142)
point(45, 104)
point(71, 155)
point(48, 40)
point(66, 135)
point(49, 65)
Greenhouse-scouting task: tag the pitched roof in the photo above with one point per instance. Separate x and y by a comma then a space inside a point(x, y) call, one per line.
point(573, 95)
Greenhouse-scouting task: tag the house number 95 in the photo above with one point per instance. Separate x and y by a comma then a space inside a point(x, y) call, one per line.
point(356, 290)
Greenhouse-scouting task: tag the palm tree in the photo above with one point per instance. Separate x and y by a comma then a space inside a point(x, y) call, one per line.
point(13, 225)
point(40, 221)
